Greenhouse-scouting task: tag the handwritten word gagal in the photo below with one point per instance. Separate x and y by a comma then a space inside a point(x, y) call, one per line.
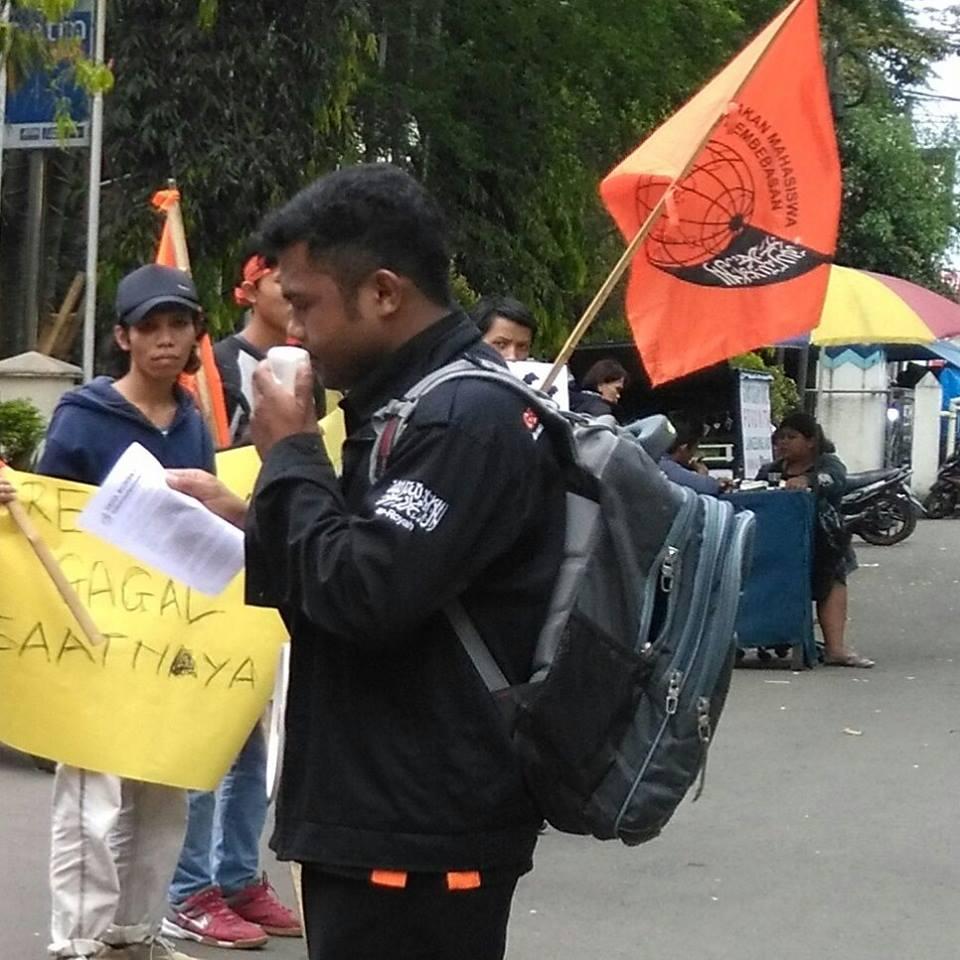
point(134, 590)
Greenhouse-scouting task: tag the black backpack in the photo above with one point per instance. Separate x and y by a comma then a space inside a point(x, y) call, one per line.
point(633, 664)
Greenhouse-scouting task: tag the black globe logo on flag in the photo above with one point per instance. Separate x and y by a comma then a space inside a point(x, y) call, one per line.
point(705, 234)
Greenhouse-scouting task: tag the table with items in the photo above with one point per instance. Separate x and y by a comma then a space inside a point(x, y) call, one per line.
point(776, 610)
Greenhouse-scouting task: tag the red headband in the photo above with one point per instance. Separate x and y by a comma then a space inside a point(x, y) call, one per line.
point(254, 270)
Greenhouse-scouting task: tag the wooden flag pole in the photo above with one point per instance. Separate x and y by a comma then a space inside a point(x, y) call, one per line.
point(179, 237)
point(603, 294)
point(177, 232)
point(54, 570)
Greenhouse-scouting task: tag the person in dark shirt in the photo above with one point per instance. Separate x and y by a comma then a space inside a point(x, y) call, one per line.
point(400, 792)
point(600, 389)
point(265, 326)
point(807, 460)
point(507, 325)
point(680, 462)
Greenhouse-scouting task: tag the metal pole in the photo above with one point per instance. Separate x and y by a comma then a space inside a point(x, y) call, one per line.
point(33, 248)
point(803, 376)
point(4, 21)
point(93, 201)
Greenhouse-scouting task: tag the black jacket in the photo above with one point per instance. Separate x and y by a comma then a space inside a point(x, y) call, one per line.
point(396, 756)
point(591, 403)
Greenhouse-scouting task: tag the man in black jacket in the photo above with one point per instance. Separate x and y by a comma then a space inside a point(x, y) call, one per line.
point(400, 792)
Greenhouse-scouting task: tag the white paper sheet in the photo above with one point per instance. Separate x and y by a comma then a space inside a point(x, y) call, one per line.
point(275, 725)
point(136, 511)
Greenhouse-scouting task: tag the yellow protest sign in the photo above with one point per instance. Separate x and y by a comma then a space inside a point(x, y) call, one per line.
point(238, 468)
point(182, 678)
point(170, 696)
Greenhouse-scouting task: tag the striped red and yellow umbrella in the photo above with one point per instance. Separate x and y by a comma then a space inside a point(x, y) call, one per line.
point(865, 307)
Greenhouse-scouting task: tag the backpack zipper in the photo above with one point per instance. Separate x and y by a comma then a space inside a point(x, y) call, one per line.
point(712, 527)
point(668, 567)
point(704, 734)
point(673, 692)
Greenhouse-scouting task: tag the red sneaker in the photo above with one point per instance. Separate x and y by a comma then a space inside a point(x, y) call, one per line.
point(205, 917)
point(259, 904)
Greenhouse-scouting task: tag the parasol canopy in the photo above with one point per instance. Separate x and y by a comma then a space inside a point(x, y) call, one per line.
point(865, 307)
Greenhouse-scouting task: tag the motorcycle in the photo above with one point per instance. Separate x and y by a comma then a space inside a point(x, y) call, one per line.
point(880, 507)
point(944, 496)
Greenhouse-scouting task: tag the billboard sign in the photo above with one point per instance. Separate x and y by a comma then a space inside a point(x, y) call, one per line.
point(31, 109)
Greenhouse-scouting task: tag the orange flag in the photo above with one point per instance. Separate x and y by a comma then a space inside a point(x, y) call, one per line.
point(740, 192)
point(206, 386)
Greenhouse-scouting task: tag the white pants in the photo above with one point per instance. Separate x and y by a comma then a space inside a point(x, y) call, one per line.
point(114, 848)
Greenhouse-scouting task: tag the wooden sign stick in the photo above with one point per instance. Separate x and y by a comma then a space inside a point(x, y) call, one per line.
point(54, 570)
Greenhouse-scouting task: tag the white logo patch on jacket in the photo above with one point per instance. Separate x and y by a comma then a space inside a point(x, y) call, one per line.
point(409, 504)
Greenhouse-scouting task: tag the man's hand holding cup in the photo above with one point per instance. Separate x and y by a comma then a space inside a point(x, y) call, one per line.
point(283, 398)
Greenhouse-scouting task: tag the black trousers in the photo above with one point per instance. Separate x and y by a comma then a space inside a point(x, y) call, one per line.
point(351, 919)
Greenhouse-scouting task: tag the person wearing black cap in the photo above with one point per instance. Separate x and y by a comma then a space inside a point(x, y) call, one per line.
point(115, 841)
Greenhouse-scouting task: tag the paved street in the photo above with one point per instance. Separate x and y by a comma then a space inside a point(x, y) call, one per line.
point(829, 828)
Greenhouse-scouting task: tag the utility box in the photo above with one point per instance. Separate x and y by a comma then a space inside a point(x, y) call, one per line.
point(38, 378)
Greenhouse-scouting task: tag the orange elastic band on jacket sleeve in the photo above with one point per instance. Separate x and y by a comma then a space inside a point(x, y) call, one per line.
point(463, 880)
point(389, 878)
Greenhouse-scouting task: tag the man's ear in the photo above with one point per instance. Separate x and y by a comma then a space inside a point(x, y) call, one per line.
point(387, 290)
point(249, 291)
point(122, 335)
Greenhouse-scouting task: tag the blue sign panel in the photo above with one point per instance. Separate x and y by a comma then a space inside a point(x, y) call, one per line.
point(32, 107)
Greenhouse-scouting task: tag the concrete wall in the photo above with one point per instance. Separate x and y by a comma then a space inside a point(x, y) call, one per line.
point(38, 378)
point(852, 404)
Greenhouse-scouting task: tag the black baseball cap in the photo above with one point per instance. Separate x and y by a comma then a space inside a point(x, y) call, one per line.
point(154, 286)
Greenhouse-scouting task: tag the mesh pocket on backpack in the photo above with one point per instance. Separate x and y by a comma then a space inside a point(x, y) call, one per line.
point(575, 747)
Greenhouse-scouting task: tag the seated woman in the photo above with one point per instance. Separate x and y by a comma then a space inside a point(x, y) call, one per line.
point(807, 461)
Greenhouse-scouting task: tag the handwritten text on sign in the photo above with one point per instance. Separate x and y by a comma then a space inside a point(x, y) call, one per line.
point(170, 696)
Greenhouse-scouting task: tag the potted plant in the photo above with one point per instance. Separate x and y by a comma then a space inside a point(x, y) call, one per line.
point(21, 430)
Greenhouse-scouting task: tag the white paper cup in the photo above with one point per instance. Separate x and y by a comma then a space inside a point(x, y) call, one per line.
point(284, 362)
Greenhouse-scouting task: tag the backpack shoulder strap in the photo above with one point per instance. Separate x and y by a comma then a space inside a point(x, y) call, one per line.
point(476, 647)
point(391, 420)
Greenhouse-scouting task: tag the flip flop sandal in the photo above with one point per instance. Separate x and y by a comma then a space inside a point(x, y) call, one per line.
point(851, 660)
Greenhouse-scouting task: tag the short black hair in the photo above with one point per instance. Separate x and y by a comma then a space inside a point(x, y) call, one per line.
point(489, 307)
point(806, 425)
point(364, 218)
point(256, 246)
point(690, 430)
point(603, 371)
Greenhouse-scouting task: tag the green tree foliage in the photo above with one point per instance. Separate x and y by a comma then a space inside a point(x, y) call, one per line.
point(511, 112)
point(898, 204)
point(241, 107)
point(21, 430)
point(898, 207)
